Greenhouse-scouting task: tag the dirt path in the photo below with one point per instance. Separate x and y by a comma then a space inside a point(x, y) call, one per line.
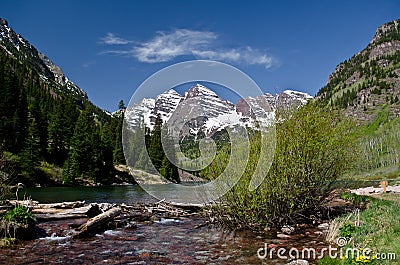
point(374, 190)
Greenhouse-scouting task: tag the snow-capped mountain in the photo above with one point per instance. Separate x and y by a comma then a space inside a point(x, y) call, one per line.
point(290, 97)
point(141, 113)
point(202, 110)
point(18, 47)
point(165, 104)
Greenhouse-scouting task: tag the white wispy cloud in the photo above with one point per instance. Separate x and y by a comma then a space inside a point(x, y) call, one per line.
point(111, 39)
point(166, 46)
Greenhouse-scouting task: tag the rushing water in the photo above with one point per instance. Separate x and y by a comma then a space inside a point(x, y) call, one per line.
point(167, 241)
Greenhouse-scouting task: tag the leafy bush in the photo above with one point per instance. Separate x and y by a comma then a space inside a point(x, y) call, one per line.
point(17, 223)
point(314, 147)
point(20, 215)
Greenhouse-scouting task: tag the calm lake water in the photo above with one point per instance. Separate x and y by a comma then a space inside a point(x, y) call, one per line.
point(113, 194)
point(125, 194)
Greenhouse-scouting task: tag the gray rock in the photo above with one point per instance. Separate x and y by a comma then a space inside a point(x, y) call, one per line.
point(288, 230)
point(324, 226)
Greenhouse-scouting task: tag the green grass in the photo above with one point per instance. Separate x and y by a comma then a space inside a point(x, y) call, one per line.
point(390, 173)
point(379, 230)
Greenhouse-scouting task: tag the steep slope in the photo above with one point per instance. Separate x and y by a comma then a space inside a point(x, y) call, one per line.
point(19, 48)
point(47, 122)
point(165, 104)
point(369, 80)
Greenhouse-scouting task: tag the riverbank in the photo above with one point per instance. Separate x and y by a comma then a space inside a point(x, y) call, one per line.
point(373, 232)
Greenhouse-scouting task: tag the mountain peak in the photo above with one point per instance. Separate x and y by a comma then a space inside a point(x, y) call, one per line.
point(3, 22)
point(171, 91)
point(386, 32)
point(200, 90)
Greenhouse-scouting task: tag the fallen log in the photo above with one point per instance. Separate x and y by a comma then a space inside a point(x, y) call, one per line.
point(80, 210)
point(54, 217)
point(48, 214)
point(61, 205)
point(97, 223)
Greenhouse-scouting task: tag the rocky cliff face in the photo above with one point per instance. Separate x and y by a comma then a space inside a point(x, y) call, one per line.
point(370, 80)
point(204, 111)
point(16, 46)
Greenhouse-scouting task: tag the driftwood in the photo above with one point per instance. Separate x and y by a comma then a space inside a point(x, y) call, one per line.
point(173, 210)
point(97, 223)
point(105, 215)
point(37, 205)
point(61, 205)
point(25, 203)
point(47, 214)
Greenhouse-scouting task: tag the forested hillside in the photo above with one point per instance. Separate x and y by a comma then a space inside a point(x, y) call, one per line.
point(366, 87)
point(44, 128)
point(368, 81)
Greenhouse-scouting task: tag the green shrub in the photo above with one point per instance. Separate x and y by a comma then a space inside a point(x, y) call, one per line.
point(17, 223)
point(19, 215)
point(314, 146)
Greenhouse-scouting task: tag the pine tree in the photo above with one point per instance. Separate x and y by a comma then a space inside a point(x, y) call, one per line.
point(71, 170)
point(157, 154)
point(155, 148)
point(20, 123)
point(56, 143)
point(169, 171)
point(60, 130)
point(81, 149)
point(41, 122)
point(121, 105)
point(31, 153)
point(8, 105)
point(118, 153)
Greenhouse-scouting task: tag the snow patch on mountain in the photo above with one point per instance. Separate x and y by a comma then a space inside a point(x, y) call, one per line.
point(202, 110)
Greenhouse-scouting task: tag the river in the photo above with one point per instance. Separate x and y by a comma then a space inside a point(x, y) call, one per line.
point(168, 241)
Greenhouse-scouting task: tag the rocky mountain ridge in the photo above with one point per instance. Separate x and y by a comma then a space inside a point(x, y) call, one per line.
point(370, 80)
point(205, 111)
point(19, 48)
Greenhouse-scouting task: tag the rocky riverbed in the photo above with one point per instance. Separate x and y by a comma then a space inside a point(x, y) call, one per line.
point(148, 234)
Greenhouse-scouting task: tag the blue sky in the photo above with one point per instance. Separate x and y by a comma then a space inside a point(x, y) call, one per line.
point(110, 47)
